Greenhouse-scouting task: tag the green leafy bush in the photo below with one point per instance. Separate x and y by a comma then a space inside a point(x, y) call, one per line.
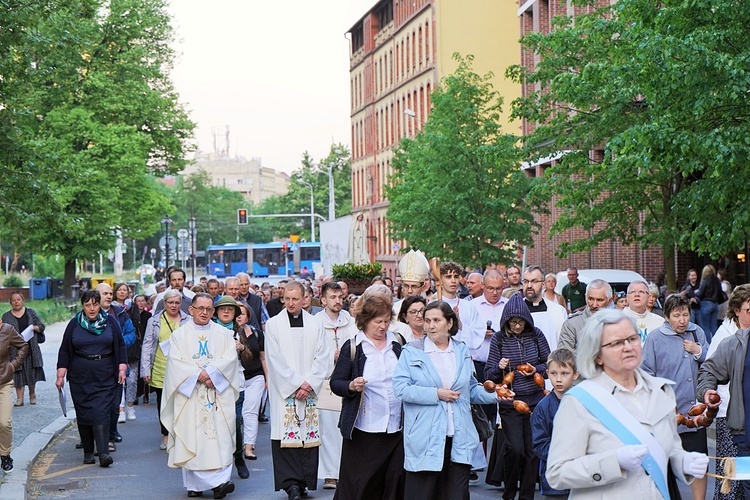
point(11, 281)
point(356, 272)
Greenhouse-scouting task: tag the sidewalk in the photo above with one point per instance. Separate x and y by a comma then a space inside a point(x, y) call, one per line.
point(35, 426)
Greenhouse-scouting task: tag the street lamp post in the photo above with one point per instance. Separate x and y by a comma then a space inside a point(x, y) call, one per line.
point(167, 223)
point(331, 199)
point(193, 246)
point(312, 209)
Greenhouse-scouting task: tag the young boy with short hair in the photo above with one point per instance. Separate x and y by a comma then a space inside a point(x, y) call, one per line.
point(562, 372)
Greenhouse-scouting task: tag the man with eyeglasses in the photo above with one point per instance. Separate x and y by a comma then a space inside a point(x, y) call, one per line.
point(637, 309)
point(339, 327)
point(414, 270)
point(548, 316)
point(298, 359)
point(574, 292)
point(201, 385)
point(598, 297)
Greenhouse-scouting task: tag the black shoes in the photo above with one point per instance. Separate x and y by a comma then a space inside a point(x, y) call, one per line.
point(223, 489)
point(88, 458)
point(117, 438)
point(242, 470)
point(6, 463)
point(294, 493)
point(105, 460)
point(193, 494)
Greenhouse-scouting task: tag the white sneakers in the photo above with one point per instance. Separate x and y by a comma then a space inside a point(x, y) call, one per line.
point(121, 418)
point(130, 412)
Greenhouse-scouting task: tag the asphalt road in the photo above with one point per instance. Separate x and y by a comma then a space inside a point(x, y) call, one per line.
point(140, 470)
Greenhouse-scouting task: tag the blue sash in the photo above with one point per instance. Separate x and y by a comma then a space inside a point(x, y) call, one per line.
point(656, 469)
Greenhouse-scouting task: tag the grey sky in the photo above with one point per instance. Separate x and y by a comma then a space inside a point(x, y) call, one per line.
point(277, 73)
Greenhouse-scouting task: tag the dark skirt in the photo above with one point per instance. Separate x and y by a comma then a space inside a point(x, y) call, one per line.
point(495, 468)
point(29, 374)
point(725, 447)
point(92, 388)
point(372, 467)
point(294, 466)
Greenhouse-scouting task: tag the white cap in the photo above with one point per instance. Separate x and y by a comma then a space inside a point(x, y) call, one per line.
point(414, 266)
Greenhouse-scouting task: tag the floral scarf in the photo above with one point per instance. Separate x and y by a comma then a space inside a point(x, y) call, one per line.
point(96, 326)
point(294, 435)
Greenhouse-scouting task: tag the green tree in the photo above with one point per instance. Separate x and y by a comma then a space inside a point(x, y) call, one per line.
point(96, 118)
point(215, 211)
point(660, 89)
point(297, 200)
point(457, 190)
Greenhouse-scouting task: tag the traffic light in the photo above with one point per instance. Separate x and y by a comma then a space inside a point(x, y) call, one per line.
point(242, 216)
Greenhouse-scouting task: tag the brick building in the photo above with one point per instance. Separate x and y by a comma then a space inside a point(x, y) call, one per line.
point(399, 52)
point(535, 16)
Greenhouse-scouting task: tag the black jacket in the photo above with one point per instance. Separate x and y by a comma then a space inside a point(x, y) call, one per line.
point(345, 371)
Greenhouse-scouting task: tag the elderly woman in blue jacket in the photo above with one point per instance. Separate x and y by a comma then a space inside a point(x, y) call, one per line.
point(435, 380)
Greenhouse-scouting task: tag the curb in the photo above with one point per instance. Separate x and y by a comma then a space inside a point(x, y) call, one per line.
point(13, 485)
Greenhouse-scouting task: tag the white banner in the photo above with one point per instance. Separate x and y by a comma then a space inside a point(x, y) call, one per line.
point(334, 242)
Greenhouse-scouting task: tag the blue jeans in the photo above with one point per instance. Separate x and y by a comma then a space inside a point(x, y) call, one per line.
point(743, 450)
point(709, 318)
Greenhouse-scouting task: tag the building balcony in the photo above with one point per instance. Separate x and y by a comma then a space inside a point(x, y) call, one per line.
point(357, 56)
point(384, 34)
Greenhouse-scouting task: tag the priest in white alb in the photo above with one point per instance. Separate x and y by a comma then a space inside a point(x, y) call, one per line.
point(339, 327)
point(201, 385)
point(297, 355)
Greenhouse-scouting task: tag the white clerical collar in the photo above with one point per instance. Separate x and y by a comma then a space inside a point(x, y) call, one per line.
point(639, 315)
point(207, 326)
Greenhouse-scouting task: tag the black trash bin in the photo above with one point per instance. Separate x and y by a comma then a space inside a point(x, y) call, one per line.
point(56, 287)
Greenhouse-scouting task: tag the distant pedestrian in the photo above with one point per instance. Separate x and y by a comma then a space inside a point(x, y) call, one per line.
point(21, 317)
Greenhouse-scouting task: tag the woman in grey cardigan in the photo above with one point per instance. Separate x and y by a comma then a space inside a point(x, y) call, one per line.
point(674, 351)
point(32, 371)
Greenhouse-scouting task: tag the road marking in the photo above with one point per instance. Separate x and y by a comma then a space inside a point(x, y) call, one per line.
point(64, 471)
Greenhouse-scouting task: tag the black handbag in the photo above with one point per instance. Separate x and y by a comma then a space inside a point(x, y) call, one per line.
point(481, 422)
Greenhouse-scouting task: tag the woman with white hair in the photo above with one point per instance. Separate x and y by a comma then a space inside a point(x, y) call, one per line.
point(615, 434)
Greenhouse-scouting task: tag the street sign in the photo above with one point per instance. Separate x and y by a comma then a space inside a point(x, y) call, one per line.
point(172, 242)
point(182, 234)
point(396, 247)
point(293, 248)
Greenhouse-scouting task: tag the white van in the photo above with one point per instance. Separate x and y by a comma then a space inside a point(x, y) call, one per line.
point(619, 279)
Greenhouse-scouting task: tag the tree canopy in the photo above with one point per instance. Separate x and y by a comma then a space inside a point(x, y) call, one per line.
point(90, 117)
point(660, 89)
point(457, 190)
point(297, 199)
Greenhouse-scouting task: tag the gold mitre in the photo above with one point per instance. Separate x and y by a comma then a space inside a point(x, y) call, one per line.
point(414, 266)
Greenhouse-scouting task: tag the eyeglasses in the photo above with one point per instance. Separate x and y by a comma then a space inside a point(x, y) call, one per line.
point(619, 344)
point(516, 322)
point(532, 282)
point(203, 310)
point(493, 289)
point(415, 312)
point(638, 292)
point(411, 288)
point(173, 303)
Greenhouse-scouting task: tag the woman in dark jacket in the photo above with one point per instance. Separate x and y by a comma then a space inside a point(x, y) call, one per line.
point(93, 357)
point(21, 317)
point(710, 294)
point(518, 342)
point(372, 455)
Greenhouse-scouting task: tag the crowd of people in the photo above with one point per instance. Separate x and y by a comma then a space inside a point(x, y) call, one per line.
point(582, 390)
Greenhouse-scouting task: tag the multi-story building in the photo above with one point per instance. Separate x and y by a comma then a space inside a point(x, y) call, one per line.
point(400, 49)
point(253, 180)
point(534, 17)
